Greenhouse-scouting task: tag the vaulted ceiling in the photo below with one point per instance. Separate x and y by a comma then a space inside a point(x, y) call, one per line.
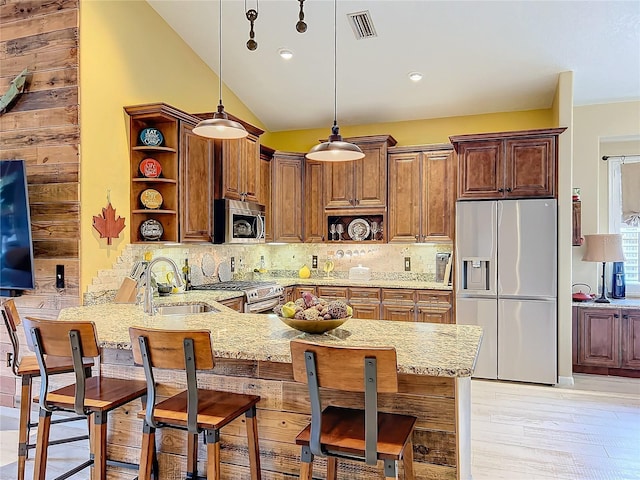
point(475, 56)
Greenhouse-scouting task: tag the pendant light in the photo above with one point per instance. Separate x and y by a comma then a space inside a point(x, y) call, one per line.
point(335, 149)
point(220, 126)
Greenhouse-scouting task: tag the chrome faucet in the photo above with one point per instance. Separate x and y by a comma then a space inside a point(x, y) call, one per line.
point(148, 289)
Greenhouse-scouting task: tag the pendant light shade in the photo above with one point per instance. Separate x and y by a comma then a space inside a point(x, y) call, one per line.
point(220, 126)
point(335, 149)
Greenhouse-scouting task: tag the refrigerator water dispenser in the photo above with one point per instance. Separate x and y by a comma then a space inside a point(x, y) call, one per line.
point(475, 274)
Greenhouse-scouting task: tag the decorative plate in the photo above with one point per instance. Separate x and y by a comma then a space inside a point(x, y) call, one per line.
point(224, 272)
point(151, 137)
point(208, 265)
point(150, 168)
point(358, 229)
point(151, 230)
point(151, 198)
point(314, 326)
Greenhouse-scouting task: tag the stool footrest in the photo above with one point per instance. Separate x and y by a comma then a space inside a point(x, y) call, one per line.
point(75, 470)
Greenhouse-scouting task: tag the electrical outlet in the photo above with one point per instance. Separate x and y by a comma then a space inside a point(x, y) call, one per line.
point(407, 264)
point(59, 276)
point(314, 261)
point(233, 264)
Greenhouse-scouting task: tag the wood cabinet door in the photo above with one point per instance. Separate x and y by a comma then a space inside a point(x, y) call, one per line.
point(229, 153)
point(236, 304)
point(530, 167)
point(481, 169)
point(399, 312)
point(250, 168)
point(196, 186)
point(431, 314)
point(300, 289)
point(289, 294)
point(314, 224)
point(287, 198)
point(339, 185)
point(265, 196)
point(599, 337)
point(371, 177)
point(630, 339)
point(437, 196)
point(404, 197)
point(366, 311)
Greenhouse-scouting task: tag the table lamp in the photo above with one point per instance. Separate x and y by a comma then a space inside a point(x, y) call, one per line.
point(603, 247)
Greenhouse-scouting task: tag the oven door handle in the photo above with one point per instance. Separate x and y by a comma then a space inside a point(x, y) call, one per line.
point(262, 227)
point(261, 306)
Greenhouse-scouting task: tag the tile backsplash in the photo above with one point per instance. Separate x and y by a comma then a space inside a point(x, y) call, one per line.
point(386, 261)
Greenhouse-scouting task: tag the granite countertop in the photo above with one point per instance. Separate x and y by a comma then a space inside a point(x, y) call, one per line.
point(375, 283)
point(615, 303)
point(422, 348)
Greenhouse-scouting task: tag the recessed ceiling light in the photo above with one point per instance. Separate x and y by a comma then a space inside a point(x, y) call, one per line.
point(285, 53)
point(415, 76)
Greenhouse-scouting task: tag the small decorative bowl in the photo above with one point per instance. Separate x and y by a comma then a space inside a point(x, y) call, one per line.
point(314, 326)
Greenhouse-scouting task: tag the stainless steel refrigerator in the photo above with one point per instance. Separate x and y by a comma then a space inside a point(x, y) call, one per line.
point(506, 282)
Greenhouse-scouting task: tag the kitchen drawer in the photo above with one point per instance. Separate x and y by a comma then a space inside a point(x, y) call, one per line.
point(398, 295)
point(399, 312)
point(332, 293)
point(366, 311)
point(364, 293)
point(434, 297)
point(299, 289)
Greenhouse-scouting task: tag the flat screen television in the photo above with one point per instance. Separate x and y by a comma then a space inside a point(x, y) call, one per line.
point(16, 246)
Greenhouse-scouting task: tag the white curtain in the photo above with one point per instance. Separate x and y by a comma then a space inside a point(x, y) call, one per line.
point(630, 182)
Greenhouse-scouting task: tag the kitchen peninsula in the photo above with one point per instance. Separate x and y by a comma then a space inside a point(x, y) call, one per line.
point(435, 363)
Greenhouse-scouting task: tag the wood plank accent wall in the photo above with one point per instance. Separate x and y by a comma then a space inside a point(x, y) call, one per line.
point(43, 128)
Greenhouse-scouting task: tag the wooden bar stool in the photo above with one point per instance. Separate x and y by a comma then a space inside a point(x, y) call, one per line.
point(335, 432)
point(26, 368)
point(92, 397)
point(194, 410)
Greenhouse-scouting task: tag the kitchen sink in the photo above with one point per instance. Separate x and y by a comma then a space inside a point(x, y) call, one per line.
point(185, 309)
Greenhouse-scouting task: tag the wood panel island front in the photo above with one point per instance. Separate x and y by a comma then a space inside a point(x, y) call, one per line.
point(435, 363)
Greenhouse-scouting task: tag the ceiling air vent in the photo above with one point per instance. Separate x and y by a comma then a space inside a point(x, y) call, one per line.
point(362, 24)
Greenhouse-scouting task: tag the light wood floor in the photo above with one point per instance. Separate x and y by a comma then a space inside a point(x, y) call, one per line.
point(519, 432)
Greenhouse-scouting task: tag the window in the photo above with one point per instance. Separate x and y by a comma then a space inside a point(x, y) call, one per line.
point(630, 233)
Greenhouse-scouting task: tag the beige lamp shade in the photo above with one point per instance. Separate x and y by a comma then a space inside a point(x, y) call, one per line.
point(603, 247)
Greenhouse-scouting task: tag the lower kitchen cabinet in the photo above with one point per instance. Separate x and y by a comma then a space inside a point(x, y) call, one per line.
point(606, 340)
point(236, 304)
point(396, 304)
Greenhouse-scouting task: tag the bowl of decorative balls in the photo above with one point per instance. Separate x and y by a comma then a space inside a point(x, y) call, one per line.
point(311, 314)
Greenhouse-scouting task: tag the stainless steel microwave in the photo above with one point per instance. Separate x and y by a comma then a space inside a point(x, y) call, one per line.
point(238, 222)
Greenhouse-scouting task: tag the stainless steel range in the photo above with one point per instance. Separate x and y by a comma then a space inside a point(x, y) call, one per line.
point(259, 296)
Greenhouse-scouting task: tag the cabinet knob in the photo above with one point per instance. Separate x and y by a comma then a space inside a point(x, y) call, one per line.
point(625, 316)
point(508, 189)
point(615, 315)
point(417, 238)
point(501, 190)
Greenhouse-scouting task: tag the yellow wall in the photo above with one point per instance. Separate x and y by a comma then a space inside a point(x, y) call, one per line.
point(416, 132)
point(128, 56)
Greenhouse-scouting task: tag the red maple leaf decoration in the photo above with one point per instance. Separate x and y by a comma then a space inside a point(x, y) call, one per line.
point(108, 225)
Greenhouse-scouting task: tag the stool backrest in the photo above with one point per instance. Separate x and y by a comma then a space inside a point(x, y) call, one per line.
point(11, 321)
point(342, 368)
point(353, 369)
point(166, 347)
point(187, 350)
point(59, 338)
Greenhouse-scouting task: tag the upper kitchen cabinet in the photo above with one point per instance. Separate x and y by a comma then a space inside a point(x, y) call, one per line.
point(196, 186)
point(237, 164)
point(314, 220)
point(264, 196)
point(287, 204)
point(421, 193)
point(155, 150)
point(360, 183)
point(507, 164)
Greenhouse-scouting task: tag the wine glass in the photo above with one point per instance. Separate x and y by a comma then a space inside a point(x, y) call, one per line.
point(332, 230)
point(339, 231)
point(328, 266)
point(375, 228)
